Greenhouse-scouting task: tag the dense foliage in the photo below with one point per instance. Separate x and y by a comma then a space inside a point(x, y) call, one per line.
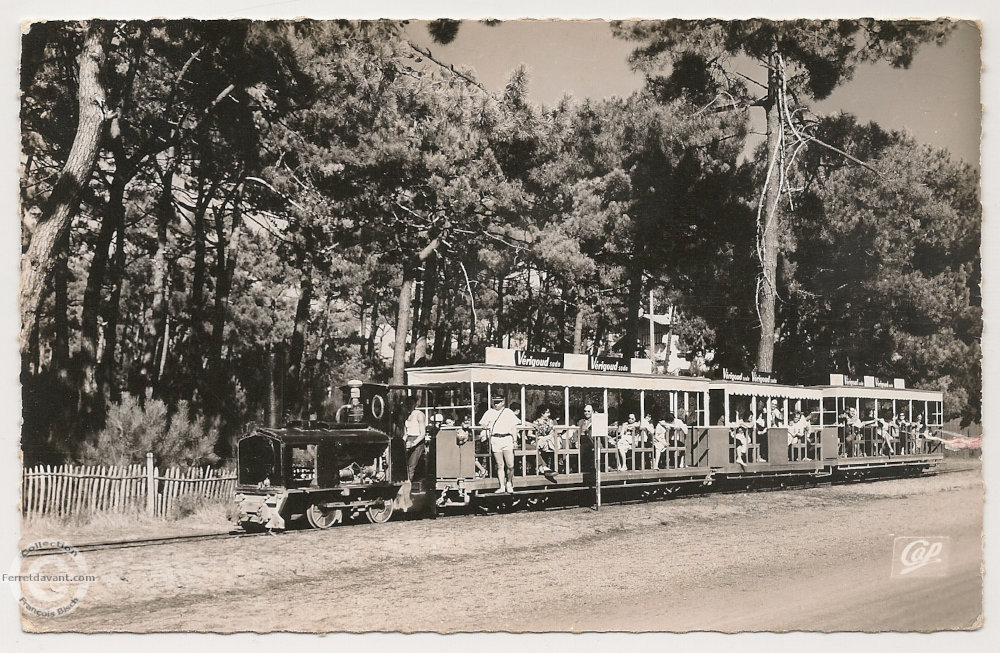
point(271, 209)
point(798, 60)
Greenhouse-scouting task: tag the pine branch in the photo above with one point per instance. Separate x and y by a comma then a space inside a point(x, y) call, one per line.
point(845, 155)
point(427, 53)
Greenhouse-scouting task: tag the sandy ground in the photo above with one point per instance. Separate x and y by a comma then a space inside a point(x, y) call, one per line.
point(805, 559)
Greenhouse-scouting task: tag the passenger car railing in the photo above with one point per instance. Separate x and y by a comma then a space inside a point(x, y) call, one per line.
point(744, 438)
point(566, 452)
point(878, 440)
point(526, 454)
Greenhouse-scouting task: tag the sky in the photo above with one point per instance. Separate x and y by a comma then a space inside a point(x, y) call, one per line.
point(936, 99)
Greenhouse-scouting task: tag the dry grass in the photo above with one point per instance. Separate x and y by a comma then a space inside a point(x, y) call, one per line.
point(194, 515)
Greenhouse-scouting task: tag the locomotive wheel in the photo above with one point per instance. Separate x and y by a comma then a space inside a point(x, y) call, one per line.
point(323, 518)
point(379, 512)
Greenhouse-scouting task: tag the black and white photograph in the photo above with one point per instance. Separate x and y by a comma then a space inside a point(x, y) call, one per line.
point(346, 323)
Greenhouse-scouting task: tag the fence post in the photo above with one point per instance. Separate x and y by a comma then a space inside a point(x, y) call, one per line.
point(150, 486)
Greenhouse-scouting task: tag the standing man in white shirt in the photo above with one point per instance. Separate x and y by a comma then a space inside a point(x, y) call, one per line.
point(502, 423)
point(416, 434)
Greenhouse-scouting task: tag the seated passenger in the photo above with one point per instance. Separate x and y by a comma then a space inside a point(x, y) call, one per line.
point(873, 425)
point(740, 431)
point(798, 432)
point(921, 429)
point(678, 437)
point(886, 435)
point(545, 441)
point(853, 434)
point(660, 440)
point(842, 434)
point(901, 428)
point(775, 416)
point(760, 434)
point(626, 441)
point(647, 428)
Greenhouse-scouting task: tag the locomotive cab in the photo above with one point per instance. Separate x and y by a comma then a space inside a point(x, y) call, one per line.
point(311, 470)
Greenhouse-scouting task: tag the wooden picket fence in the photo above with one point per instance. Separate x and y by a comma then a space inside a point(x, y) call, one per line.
point(212, 484)
point(65, 490)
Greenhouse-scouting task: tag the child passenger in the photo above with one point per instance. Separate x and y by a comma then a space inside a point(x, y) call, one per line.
point(463, 435)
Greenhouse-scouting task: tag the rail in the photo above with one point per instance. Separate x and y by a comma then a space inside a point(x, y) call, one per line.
point(138, 542)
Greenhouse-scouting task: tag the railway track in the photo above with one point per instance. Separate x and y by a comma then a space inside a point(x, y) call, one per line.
point(141, 542)
point(177, 539)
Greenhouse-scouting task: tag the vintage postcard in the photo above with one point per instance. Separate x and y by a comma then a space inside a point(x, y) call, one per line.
point(480, 325)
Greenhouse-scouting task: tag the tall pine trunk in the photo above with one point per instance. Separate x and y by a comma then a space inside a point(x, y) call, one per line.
point(599, 332)
point(225, 266)
point(60, 307)
point(107, 366)
point(156, 330)
point(769, 239)
point(402, 325)
point(38, 261)
point(442, 329)
point(564, 313)
point(362, 325)
point(273, 418)
point(498, 334)
point(630, 342)
point(96, 277)
point(198, 273)
point(372, 330)
point(405, 309)
point(578, 324)
point(422, 327)
point(298, 403)
point(418, 287)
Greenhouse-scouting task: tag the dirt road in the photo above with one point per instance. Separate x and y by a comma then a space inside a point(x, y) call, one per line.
point(813, 559)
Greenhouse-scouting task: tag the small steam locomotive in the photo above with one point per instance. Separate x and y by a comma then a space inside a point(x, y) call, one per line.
point(325, 472)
